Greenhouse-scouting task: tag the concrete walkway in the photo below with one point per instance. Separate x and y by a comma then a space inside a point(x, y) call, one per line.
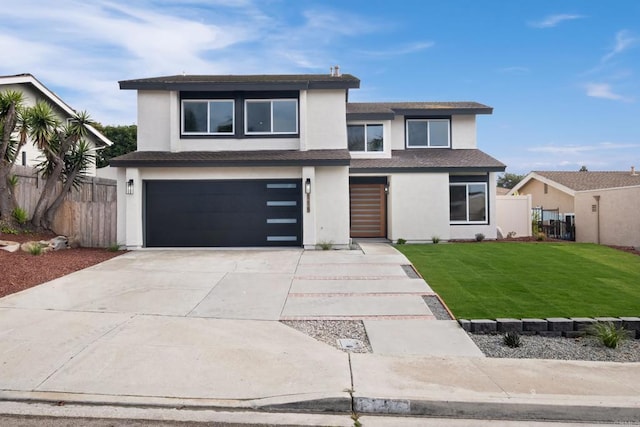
point(199, 329)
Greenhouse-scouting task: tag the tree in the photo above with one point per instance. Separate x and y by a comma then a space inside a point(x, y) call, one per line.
point(509, 180)
point(67, 157)
point(124, 141)
point(11, 123)
point(583, 168)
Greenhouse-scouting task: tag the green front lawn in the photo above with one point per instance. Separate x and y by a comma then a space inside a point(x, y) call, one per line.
point(518, 279)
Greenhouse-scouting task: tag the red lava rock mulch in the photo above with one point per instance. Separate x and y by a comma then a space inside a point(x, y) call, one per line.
point(21, 270)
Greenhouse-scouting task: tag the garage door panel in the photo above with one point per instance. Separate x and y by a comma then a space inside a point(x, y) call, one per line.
point(223, 213)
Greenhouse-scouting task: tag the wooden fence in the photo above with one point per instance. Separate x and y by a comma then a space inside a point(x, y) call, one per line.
point(87, 214)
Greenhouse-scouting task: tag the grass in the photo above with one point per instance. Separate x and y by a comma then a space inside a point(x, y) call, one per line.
point(520, 280)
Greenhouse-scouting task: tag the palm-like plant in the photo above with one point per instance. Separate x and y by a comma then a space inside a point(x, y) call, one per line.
point(10, 120)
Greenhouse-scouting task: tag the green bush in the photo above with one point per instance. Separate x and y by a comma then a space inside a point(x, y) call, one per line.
point(325, 246)
point(435, 239)
point(479, 237)
point(609, 334)
point(114, 247)
point(401, 241)
point(35, 249)
point(20, 215)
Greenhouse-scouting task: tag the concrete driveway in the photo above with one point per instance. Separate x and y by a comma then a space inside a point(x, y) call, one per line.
point(201, 329)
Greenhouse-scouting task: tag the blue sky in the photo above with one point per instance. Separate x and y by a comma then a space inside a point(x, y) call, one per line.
point(562, 76)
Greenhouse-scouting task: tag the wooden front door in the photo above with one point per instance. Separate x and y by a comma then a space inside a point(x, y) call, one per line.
point(368, 210)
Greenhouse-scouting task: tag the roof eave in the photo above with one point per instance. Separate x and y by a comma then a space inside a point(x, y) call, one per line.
point(231, 86)
point(433, 169)
point(226, 163)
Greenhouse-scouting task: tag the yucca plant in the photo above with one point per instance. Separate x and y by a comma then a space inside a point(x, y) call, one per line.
point(511, 339)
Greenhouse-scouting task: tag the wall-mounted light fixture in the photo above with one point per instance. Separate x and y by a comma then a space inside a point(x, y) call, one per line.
point(129, 187)
point(307, 191)
point(386, 188)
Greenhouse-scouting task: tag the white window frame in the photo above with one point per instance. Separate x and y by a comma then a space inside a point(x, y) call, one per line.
point(486, 202)
point(365, 136)
point(209, 101)
point(406, 129)
point(272, 132)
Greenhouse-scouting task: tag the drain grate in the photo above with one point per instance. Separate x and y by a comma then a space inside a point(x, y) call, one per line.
point(350, 344)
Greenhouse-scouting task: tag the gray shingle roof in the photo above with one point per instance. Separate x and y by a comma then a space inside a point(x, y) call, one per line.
point(233, 158)
point(434, 159)
point(580, 181)
point(244, 82)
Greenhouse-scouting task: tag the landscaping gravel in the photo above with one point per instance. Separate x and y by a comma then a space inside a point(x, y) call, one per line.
point(330, 331)
point(538, 347)
point(436, 307)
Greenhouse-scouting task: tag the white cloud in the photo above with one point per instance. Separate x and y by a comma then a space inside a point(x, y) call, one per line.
point(624, 40)
point(604, 90)
point(554, 20)
point(82, 49)
point(576, 149)
point(400, 50)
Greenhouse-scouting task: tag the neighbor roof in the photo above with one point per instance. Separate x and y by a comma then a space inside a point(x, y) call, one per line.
point(582, 180)
point(243, 82)
point(233, 158)
point(26, 78)
point(388, 110)
point(433, 160)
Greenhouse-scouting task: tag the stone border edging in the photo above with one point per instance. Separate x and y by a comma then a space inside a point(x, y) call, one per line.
point(551, 327)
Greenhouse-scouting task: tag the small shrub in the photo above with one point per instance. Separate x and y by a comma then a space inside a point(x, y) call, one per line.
point(401, 241)
point(479, 237)
point(435, 239)
point(20, 215)
point(540, 237)
point(325, 246)
point(511, 234)
point(35, 249)
point(5, 229)
point(511, 339)
point(609, 334)
point(114, 247)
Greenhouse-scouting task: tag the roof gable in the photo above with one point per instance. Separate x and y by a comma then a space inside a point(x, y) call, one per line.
point(570, 182)
point(53, 98)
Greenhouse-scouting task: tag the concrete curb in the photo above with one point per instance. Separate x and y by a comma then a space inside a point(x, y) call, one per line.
point(498, 410)
point(594, 409)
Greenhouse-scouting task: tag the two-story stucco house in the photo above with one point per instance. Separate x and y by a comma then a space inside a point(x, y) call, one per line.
point(286, 160)
point(33, 91)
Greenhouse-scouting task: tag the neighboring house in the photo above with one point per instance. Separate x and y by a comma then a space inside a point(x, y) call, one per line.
point(605, 205)
point(34, 91)
point(286, 160)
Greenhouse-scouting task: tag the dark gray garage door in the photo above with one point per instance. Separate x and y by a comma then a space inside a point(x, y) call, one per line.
point(223, 213)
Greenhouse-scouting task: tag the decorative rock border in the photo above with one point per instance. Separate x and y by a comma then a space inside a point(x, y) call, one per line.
point(551, 327)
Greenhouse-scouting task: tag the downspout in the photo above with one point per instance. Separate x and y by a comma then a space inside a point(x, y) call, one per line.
point(597, 218)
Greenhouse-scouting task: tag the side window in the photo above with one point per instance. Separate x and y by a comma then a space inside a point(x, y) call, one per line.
point(427, 133)
point(367, 138)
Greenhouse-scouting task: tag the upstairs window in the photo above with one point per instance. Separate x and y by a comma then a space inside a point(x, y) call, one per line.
point(208, 117)
point(468, 203)
point(366, 138)
point(428, 133)
point(271, 116)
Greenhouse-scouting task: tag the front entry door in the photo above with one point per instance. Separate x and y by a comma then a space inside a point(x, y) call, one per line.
point(368, 209)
